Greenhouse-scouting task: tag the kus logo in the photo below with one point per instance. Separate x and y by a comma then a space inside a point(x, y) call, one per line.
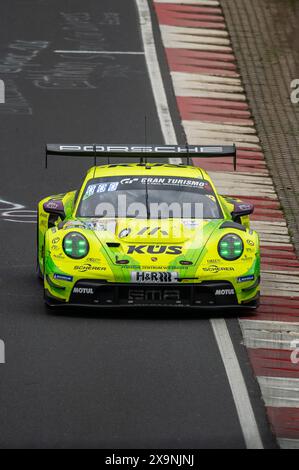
point(155, 250)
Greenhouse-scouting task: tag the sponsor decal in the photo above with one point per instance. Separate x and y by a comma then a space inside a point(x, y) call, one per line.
point(56, 240)
point(246, 258)
point(151, 232)
point(216, 269)
point(94, 260)
point(244, 207)
point(155, 250)
point(88, 267)
point(59, 256)
point(100, 188)
point(52, 205)
point(129, 180)
point(142, 149)
point(214, 261)
point(250, 243)
point(73, 224)
point(83, 290)
point(154, 277)
point(225, 292)
point(181, 182)
point(154, 295)
point(125, 233)
point(246, 278)
point(62, 277)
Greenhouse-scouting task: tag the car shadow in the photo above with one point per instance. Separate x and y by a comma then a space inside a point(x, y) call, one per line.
point(148, 313)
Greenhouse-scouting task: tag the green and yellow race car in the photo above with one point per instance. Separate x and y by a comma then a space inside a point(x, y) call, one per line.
point(147, 234)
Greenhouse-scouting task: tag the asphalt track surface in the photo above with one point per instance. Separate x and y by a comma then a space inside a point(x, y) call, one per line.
point(113, 380)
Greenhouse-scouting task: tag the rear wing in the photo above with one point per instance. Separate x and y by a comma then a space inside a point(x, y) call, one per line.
point(142, 152)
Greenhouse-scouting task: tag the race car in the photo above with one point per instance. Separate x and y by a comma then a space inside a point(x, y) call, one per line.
point(147, 234)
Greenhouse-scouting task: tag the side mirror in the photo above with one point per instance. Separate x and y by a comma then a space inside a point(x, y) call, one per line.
point(55, 208)
point(242, 209)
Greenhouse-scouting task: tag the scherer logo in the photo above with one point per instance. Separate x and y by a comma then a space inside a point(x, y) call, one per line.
point(216, 269)
point(2, 92)
point(2, 352)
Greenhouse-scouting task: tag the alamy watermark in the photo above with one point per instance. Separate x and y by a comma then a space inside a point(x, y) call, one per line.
point(295, 91)
point(188, 216)
point(2, 92)
point(2, 352)
point(295, 352)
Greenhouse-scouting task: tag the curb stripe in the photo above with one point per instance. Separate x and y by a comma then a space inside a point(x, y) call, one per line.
point(273, 362)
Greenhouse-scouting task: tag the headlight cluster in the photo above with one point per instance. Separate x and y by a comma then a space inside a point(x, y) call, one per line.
point(231, 247)
point(75, 245)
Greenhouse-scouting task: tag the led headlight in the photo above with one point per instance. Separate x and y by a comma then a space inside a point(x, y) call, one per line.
point(230, 247)
point(75, 245)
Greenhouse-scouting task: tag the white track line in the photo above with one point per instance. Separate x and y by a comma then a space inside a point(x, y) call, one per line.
point(100, 52)
point(236, 380)
point(235, 377)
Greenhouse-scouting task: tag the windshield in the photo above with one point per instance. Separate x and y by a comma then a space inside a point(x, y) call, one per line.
point(149, 198)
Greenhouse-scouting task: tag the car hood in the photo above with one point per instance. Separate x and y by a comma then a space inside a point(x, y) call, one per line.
point(144, 242)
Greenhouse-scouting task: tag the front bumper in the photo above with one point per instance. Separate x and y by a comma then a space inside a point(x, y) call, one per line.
point(205, 295)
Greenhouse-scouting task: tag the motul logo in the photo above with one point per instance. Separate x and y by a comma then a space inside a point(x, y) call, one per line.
point(83, 290)
point(225, 292)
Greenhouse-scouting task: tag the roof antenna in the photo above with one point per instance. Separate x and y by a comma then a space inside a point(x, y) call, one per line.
point(144, 160)
point(46, 161)
point(188, 153)
point(94, 159)
point(145, 135)
point(95, 154)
